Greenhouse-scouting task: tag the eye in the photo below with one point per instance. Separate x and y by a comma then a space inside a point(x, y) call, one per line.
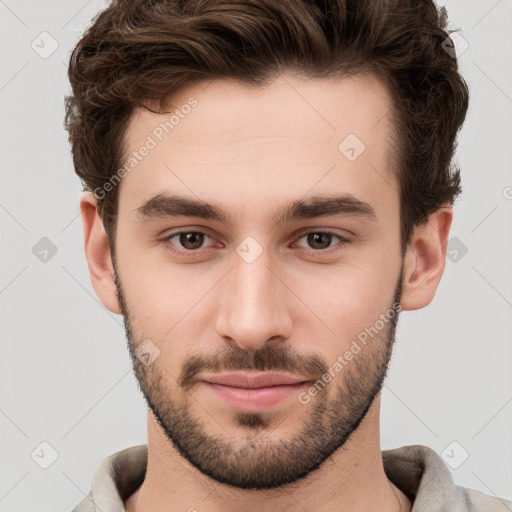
point(186, 241)
point(190, 242)
point(321, 240)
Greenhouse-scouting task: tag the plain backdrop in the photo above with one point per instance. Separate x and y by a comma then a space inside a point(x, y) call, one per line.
point(68, 396)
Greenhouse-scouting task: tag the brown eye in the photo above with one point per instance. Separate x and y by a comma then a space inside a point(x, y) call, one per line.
point(191, 244)
point(191, 240)
point(322, 241)
point(319, 240)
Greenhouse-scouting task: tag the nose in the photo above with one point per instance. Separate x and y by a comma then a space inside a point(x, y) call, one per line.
point(254, 305)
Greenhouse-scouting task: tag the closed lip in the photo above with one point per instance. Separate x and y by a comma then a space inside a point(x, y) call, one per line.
point(253, 380)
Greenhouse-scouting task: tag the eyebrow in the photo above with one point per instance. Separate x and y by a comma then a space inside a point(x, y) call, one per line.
point(162, 206)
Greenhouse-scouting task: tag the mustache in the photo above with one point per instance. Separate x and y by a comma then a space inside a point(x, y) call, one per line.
point(267, 358)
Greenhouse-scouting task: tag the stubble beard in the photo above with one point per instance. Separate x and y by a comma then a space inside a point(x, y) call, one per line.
point(258, 459)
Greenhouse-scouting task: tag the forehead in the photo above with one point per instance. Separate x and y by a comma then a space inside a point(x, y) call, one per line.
point(282, 140)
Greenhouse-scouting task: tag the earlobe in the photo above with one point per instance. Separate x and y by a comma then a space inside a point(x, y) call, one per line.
point(425, 260)
point(97, 252)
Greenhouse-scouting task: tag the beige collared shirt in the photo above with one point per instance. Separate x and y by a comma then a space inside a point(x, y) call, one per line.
point(417, 470)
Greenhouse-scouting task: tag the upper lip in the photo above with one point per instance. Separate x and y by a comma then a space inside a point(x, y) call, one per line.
point(252, 379)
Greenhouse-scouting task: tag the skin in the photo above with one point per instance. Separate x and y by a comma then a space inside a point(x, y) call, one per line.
point(251, 151)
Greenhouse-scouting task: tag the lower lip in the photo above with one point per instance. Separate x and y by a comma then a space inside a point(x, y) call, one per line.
point(255, 399)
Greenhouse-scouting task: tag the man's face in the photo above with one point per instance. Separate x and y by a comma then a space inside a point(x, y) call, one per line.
point(255, 289)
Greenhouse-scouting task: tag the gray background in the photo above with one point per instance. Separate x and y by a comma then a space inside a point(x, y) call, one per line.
point(65, 373)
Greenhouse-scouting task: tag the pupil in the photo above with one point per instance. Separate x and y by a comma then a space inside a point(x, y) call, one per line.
point(191, 239)
point(316, 238)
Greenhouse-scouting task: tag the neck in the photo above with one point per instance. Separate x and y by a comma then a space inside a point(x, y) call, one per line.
point(353, 478)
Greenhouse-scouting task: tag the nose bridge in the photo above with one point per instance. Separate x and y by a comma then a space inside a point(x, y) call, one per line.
point(252, 308)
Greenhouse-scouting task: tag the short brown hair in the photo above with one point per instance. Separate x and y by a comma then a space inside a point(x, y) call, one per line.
point(137, 51)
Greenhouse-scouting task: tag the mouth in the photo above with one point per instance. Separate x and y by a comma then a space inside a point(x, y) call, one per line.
point(252, 392)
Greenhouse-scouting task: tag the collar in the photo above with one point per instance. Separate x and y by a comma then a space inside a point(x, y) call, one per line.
point(417, 470)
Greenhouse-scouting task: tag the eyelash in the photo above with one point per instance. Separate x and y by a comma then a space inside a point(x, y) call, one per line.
point(192, 252)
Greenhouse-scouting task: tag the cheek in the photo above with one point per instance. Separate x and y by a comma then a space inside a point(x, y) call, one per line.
point(154, 289)
point(169, 307)
point(345, 301)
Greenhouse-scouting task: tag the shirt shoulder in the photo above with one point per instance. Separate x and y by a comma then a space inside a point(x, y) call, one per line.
point(116, 478)
point(424, 477)
point(477, 501)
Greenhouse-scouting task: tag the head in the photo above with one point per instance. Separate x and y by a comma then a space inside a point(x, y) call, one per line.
point(269, 184)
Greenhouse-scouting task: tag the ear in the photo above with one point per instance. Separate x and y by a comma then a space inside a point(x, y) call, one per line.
point(97, 252)
point(425, 259)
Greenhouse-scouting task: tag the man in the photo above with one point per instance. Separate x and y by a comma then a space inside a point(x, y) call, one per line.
point(268, 184)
